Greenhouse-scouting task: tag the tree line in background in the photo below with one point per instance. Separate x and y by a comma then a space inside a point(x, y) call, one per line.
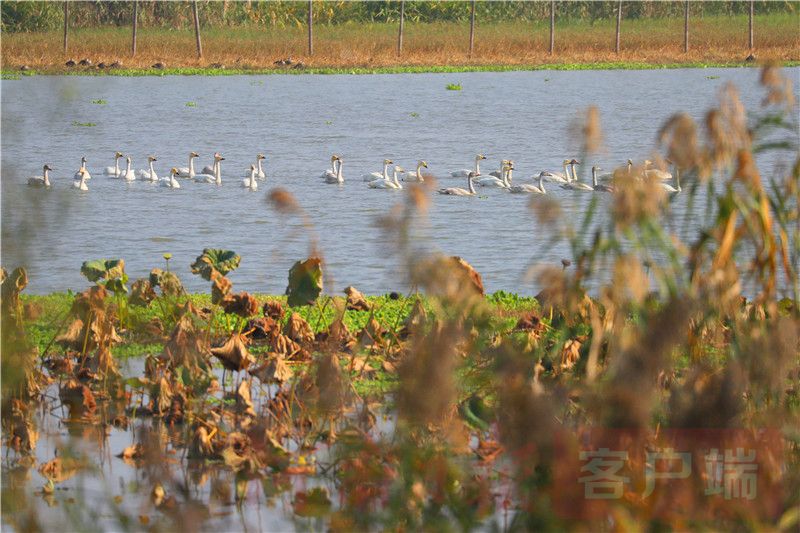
point(20, 16)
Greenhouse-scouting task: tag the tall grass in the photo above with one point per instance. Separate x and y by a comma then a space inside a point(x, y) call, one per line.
point(713, 39)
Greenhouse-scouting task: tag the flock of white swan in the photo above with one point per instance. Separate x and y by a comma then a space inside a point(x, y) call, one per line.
point(501, 179)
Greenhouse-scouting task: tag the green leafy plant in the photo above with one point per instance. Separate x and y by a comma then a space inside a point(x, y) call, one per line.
point(305, 282)
point(191, 104)
point(215, 260)
point(453, 86)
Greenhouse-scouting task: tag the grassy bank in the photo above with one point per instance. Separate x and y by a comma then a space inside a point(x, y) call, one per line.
point(646, 43)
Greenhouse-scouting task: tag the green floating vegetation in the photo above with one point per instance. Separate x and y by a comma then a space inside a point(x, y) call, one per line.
point(453, 86)
point(83, 124)
point(99, 102)
point(712, 77)
point(191, 104)
point(11, 76)
point(414, 114)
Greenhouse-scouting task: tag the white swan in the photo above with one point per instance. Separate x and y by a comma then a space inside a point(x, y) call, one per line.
point(576, 184)
point(559, 177)
point(149, 175)
point(114, 171)
point(217, 177)
point(599, 187)
point(127, 174)
point(41, 181)
point(415, 176)
point(260, 171)
point(463, 173)
point(500, 173)
point(171, 182)
point(336, 177)
point(330, 173)
point(251, 183)
point(656, 173)
point(188, 172)
point(491, 181)
point(458, 191)
point(528, 188)
point(210, 169)
point(80, 183)
point(372, 176)
point(82, 175)
point(669, 188)
point(387, 183)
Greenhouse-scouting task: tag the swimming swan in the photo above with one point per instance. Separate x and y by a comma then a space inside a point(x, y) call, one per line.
point(656, 173)
point(41, 181)
point(82, 175)
point(171, 182)
point(251, 183)
point(330, 173)
point(149, 175)
point(575, 184)
point(335, 177)
point(127, 174)
point(500, 173)
point(217, 177)
point(463, 173)
point(492, 181)
point(415, 176)
point(260, 171)
point(669, 188)
point(458, 191)
point(387, 183)
point(114, 171)
point(188, 172)
point(559, 177)
point(599, 187)
point(528, 188)
point(80, 183)
point(372, 176)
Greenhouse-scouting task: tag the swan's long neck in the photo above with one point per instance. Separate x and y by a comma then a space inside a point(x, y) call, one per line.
point(419, 172)
point(469, 182)
point(191, 166)
point(386, 171)
point(477, 166)
point(541, 183)
point(252, 177)
point(394, 175)
point(677, 178)
point(574, 173)
point(47, 177)
point(566, 171)
point(218, 172)
point(116, 165)
point(152, 172)
point(128, 167)
point(338, 167)
point(83, 164)
point(260, 170)
point(630, 167)
point(594, 177)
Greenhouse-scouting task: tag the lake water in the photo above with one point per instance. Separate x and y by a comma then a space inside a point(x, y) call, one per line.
point(298, 121)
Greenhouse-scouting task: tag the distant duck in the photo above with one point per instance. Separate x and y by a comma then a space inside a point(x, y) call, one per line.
point(171, 182)
point(458, 191)
point(464, 172)
point(43, 180)
point(150, 174)
point(80, 183)
point(188, 172)
point(82, 175)
point(114, 171)
point(251, 183)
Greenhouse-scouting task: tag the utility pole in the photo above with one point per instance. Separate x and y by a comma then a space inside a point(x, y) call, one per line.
point(402, 21)
point(135, 24)
point(472, 29)
point(552, 25)
point(197, 30)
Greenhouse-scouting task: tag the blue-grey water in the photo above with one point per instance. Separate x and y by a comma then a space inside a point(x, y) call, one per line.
point(298, 121)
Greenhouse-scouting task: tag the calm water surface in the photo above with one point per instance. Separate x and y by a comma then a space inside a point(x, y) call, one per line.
point(298, 121)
